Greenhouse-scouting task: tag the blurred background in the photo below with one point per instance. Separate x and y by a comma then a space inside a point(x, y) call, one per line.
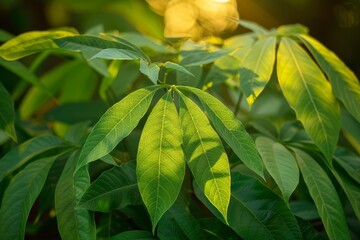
point(336, 23)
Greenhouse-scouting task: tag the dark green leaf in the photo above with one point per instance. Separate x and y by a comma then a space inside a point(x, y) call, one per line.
point(133, 235)
point(200, 57)
point(349, 161)
point(7, 113)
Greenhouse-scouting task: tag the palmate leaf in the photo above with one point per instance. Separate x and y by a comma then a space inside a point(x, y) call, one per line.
point(309, 94)
point(205, 155)
point(281, 165)
point(160, 160)
point(20, 196)
point(27, 150)
point(344, 82)
point(324, 195)
point(115, 188)
point(73, 224)
point(256, 68)
point(255, 212)
point(31, 42)
point(7, 113)
point(230, 129)
point(116, 124)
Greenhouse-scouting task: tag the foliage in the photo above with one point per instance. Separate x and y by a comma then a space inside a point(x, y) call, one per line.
point(168, 147)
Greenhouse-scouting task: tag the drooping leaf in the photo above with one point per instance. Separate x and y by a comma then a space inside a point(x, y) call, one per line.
point(115, 188)
point(350, 187)
point(31, 42)
point(73, 223)
point(20, 196)
point(178, 223)
point(256, 68)
point(160, 160)
point(116, 124)
point(133, 235)
point(231, 130)
point(255, 212)
point(174, 66)
point(324, 195)
point(349, 161)
point(200, 57)
point(309, 94)
point(7, 113)
point(281, 165)
point(150, 70)
point(25, 151)
point(344, 82)
point(256, 28)
point(205, 155)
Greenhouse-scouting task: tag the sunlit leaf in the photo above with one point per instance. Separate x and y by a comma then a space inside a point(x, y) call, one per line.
point(231, 130)
point(292, 29)
point(20, 196)
point(25, 151)
point(324, 195)
point(31, 42)
point(150, 70)
point(255, 212)
point(116, 124)
point(256, 68)
point(115, 188)
point(256, 28)
point(344, 82)
point(73, 223)
point(7, 113)
point(281, 165)
point(205, 155)
point(116, 54)
point(174, 66)
point(309, 94)
point(160, 161)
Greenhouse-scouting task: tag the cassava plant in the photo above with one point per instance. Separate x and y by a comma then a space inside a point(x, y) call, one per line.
point(120, 136)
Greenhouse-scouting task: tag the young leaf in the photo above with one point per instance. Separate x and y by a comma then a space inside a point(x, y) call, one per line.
point(324, 195)
point(115, 125)
point(344, 82)
point(115, 188)
point(255, 212)
point(7, 113)
point(20, 196)
point(281, 165)
point(309, 94)
point(160, 161)
point(205, 155)
point(151, 70)
point(231, 130)
point(25, 151)
point(31, 42)
point(256, 68)
point(73, 224)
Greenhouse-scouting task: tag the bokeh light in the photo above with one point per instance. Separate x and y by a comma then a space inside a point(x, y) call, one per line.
point(196, 18)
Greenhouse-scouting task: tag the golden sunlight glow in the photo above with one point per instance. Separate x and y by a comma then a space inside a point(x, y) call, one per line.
point(196, 18)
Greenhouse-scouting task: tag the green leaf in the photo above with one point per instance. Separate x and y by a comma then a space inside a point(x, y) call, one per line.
point(20, 196)
point(281, 165)
point(116, 124)
point(324, 195)
point(188, 80)
point(178, 223)
point(231, 130)
point(205, 155)
point(115, 188)
point(73, 223)
point(351, 189)
point(256, 28)
point(304, 209)
point(133, 235)
point(350, 128)
point(151, 70)
point(292, 29)
point(344, 82)
point(200, 57)
point(116, 54)
point(214, 229)
point(177, 67)
point(222, 70)
point(256, 68)
point(19, 69)
point(255, 212)
point(31, 42)
point(350, 162)
point(160, 160)
point(309, 94)
point(25, 151)
point(7, 113)
point(5, 36)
